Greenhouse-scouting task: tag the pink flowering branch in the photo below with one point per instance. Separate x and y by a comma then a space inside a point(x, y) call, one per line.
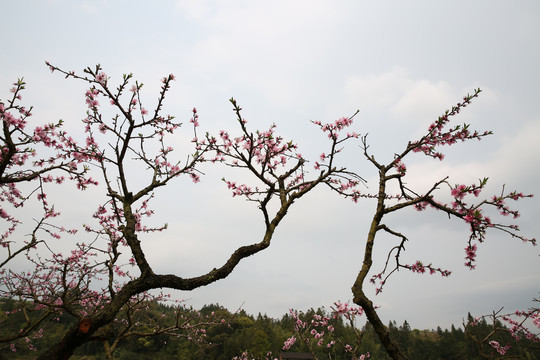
point(439, 134)
point(38, 157)
point(277, 166)
point(132, 321)
point(19, 163)
point(135, 135)
point(512, 324)
point(57, 285)
point(67, 284)
point(317, 331)
point(97, 280)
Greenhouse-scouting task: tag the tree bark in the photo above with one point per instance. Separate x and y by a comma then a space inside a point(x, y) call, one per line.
point(382, 332)
point(360, 297)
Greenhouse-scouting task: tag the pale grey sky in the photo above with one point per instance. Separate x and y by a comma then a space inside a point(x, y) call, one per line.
point(288, 62)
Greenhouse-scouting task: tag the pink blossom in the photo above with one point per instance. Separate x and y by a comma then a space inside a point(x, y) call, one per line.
point(101, 78)
point(500, 349)
point(289, 343)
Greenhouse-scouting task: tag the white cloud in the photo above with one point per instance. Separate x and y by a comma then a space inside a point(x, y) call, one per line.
point(397, 92)
point(377, 91)
point(195, 9)
point(424, 100)
point(518, 154)
point(94, 6)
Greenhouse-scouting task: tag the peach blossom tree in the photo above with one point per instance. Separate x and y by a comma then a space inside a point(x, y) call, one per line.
point(130, 153)
point(467, 204)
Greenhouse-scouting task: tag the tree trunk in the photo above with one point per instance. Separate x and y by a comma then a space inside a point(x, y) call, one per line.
point(359, 297)
point(65, 348)
point(382, 332)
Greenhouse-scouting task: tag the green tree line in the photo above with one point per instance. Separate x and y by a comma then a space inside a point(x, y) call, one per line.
point(258, 335)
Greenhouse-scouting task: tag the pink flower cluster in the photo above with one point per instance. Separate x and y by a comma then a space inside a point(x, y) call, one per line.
point(500, 349)
point(274, 161)
point(289, 343)
point(17, 147)
point(515, 324)
point(335, 128)
point(346, 310)
point(474, 216)
point(420, 268)
point(240, 189)
point(470, 255)
point(91, 98)
point(438, 135)
point(318, 330)
point(517, 328)
point(400, 167)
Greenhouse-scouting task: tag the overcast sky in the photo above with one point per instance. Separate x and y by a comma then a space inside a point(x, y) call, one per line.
point(289, 62)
